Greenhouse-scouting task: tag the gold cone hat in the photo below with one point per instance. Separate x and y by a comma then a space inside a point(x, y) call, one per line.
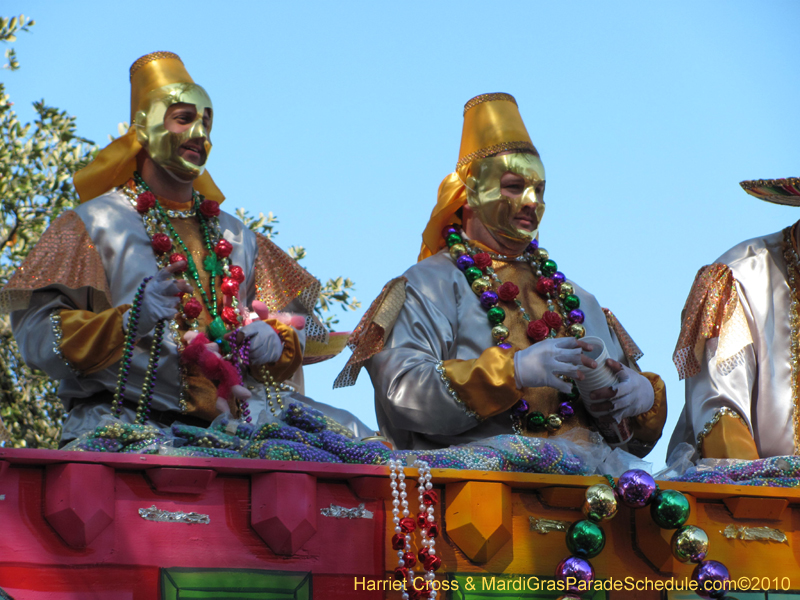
point(492, 124)
point(778, 191)
point(116, 163)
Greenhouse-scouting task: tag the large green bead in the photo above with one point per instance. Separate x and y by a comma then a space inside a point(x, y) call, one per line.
point(536, 420)
point(549, 267)
point(571, 302)
point(670, 509)
point(585, 539)
point(453, 239)
point(216, 329)
point(473, 273)
point(496, 315)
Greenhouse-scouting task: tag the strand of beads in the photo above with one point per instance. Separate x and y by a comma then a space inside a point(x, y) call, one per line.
point(405, 525)
point(271, 384)
point(150, 375)
point(164, 237)
point(127, 348)
point(669, 509)
point(562, 303)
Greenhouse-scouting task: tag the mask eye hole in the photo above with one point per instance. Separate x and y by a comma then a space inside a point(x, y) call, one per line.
point(179, 117)
point(512, 184)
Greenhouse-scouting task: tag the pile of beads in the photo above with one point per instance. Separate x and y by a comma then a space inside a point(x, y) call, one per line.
point(206, 438)
point(776, 471)
point(668, 508)
point(310, 438)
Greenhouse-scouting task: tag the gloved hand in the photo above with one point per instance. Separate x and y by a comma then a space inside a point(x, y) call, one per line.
point(265, 344)
point(539, 365)
point(631, 396)
point(160, 300)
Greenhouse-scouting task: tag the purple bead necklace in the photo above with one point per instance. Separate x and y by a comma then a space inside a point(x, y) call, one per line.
point(240, 358)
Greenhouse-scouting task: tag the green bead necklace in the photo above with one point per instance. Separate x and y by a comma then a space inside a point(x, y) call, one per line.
point(213, 266)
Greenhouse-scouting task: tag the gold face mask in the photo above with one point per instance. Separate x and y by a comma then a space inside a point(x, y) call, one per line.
point(497, 211)
point(162, 144)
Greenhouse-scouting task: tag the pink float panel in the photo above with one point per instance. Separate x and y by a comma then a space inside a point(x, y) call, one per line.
point(79, 501)
point(283, 510)
point(179, 480)
point(66, 583)
point(340, 546)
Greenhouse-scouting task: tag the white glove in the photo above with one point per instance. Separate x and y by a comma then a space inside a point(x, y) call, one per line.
point(265, 344)
point(539, 365)
point(632, 395)
point(159, 301)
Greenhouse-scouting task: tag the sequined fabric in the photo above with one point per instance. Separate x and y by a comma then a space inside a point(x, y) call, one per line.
point(368, 338)
point(629, 347)
point(778, 191)
point(280, 280)
point(65, 237)
point(759, 382)
point(710, 304)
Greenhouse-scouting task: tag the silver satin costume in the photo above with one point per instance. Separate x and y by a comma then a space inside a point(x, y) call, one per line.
point(754, 377)
point(443, 319)
point(126, 252)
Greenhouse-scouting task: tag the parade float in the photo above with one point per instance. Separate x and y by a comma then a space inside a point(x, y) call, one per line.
point(200, 523)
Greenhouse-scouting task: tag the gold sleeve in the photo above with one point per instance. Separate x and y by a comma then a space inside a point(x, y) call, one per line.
point(486, 384)
point(647, 427)
point(729, 438)
point(92, 341)
point(290, 360)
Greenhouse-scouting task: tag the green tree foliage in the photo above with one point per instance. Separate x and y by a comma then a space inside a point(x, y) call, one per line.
point(37, 161)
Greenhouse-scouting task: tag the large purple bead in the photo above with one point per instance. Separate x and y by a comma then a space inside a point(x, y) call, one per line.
point(505, 346)
point(566, 410)
point(576, 316)
point(488, 299)
point(450, 230)
point(533, 246)
point(578, 570)
point(464, 262)
point(558, 277)
point(635, 488)
point(706, 574)
point(521, 408)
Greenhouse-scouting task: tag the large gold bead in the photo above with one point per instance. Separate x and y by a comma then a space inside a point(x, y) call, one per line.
point(541, 254)
point(600, 503)
point(481, 284)
point(457, 250)
point(577, 330)
point(690, 543)
point(554, 422)
point(500, 332)
point(566, 289)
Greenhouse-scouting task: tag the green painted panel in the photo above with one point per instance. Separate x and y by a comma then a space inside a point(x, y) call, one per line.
point(234, 584)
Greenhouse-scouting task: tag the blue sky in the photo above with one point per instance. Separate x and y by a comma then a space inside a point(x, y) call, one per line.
point(342, 119)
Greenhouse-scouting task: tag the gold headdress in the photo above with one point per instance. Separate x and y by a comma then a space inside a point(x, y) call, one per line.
point(492, 124)
point(116, 163)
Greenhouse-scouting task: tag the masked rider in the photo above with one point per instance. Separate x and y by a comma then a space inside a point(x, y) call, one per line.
point(105, 299)
point(480, 337)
